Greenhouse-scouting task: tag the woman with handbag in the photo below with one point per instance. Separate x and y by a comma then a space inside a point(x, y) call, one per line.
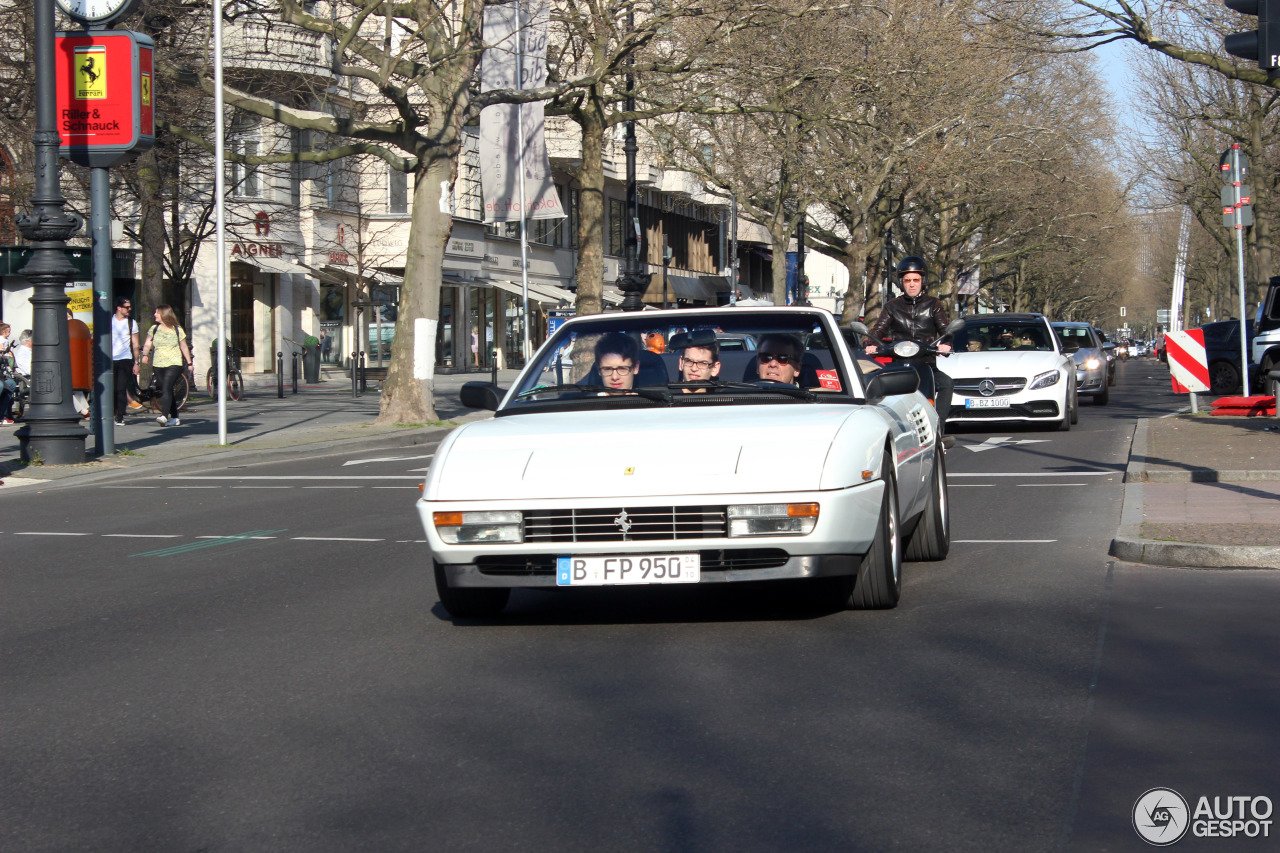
point(172, 356)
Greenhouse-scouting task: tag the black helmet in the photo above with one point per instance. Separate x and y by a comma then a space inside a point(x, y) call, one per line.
point(911, 263)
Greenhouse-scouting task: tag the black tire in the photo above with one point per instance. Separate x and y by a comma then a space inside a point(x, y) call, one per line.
point(931, 540)
point(1224, 378)
point(879, 580)
point(181, 391)
point(1103, 398)
point(1075, 405)
point(235, 386)
point(209, 379)
point(477, 603)
point(21, 394)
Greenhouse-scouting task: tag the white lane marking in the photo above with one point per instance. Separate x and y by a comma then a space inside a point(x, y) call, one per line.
point(262, 487)
point(332, 487)
point(130, 487)
point(237, 537)
point(387, 459)
point(1003, 541)
point(143, 535)
point(971, 485)
point(193, 487)
point(415, 488)
point(428, 468)
point(404, 541)
point(320, 477)
point(1047, 485)
point(332, 539)
point(1003, 441)
point(45, 533)
point(952, 475)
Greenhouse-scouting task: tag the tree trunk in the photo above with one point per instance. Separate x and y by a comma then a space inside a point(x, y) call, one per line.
point(590, 274)
point(152, 230)
point(407, 392)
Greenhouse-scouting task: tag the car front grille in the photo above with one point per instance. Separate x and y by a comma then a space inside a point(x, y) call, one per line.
point(1004, 385)
point(529, 565)
point(625, 524)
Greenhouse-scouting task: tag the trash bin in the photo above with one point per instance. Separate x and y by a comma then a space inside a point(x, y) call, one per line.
point(311, 364)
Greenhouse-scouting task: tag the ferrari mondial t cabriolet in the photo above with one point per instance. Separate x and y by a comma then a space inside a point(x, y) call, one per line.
point(635, 449)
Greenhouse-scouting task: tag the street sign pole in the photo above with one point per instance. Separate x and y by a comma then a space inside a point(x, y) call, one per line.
point(1236, 214)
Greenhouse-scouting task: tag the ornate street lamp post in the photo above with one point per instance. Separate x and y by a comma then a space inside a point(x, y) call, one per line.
point(632, 282)
point(52, 433)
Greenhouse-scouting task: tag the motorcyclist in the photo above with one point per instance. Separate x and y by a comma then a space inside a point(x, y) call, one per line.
point(915, 316)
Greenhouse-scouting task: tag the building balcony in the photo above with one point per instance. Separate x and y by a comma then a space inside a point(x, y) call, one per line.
point(274, 46)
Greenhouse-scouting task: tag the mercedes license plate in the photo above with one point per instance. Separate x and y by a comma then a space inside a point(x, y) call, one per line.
point(987, 403)
point(627, 569)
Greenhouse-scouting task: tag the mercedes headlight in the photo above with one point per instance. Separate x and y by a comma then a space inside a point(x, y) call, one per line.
point(461, 528)
point(1045, 380)
point(772, 519)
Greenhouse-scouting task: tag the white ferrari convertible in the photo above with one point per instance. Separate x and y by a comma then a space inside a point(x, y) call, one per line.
point(635, 449)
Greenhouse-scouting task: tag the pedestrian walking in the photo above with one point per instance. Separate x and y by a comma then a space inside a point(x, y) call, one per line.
point(124, 354)
point(172, 356)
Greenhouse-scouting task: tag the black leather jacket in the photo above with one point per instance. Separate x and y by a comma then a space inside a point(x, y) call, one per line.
point(922, 319)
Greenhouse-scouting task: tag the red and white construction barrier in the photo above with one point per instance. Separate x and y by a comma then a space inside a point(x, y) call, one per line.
point(1188, 365)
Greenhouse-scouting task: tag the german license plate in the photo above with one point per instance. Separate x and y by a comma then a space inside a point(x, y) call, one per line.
point(627, 569)
point(987, 403)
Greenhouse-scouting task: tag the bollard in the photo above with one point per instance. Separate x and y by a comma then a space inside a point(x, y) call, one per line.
point(493, 373)
point(280, 375)
point(364, 380)
point(294, 367)
point(353, 376)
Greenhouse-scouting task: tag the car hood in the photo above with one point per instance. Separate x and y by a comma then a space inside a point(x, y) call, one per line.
point(964, 365)
point(632, 453)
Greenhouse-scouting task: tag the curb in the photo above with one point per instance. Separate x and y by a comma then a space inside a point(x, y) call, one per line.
point(1129, 546)
point(218, 458)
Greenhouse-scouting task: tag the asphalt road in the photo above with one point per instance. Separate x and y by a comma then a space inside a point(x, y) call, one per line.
point(254, 659)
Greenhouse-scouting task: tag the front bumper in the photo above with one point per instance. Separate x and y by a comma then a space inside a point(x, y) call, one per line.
point(846, 527)
point(1028, 410)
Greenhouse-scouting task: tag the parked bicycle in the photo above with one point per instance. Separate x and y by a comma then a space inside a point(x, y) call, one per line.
point(235, 379)
point(151, 395)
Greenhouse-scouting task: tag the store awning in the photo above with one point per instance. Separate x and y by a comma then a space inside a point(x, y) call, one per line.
point(275, 266)
point(685, 287)
point(539, 291)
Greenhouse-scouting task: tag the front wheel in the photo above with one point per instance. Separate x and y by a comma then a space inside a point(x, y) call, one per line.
point(878, 583)
point(479, 603)
point(931, 540)
point(235, 386)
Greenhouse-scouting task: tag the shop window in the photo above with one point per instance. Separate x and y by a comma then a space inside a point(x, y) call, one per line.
point(397, 191)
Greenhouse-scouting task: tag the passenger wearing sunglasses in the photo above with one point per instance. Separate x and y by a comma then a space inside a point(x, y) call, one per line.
point(699, 358)
point(778, 358)
point(617, 360)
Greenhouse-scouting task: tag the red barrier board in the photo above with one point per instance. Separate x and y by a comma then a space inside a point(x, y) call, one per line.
point(1188, 365)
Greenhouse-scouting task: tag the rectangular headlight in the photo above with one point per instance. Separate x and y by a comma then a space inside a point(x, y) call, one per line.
point(457, 528)
point(1045, 380)
point(772, 519)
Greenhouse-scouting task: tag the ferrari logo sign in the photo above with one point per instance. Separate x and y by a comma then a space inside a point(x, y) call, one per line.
point(91, 72)
point(145, 80)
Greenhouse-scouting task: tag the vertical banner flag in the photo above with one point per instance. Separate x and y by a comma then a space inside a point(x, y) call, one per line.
point(515, 57)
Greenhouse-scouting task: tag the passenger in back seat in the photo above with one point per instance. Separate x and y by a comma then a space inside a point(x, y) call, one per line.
point(699, 357)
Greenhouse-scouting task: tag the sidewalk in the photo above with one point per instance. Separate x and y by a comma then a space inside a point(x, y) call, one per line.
point(262, 426)
point(1202, 492)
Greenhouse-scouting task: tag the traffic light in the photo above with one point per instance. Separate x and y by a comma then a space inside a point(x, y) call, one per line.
point(1263, 44)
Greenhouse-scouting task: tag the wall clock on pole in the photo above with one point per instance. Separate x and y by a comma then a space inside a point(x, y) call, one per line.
point(97, 13)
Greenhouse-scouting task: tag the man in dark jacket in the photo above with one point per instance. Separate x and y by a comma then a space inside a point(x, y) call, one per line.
point(915, 316)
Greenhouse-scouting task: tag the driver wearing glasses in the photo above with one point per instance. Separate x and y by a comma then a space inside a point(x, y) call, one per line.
point(778, 358)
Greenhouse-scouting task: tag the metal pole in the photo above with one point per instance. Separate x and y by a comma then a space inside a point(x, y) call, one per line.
point(52, 432)
point(354, 393)
point(104, 414)
point(220, 222)
point(293, 358)
point(733, 250)
point(524, 218)
point(280, 375)
point(666, 264)
point(1244, 338)
point(632, 282)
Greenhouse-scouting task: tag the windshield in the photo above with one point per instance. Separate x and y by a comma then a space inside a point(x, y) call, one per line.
point(682, 358)
point(1002, 336)
point(1075, 334)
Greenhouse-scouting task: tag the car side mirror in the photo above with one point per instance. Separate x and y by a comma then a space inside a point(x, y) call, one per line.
point(1108, 346)
point(892, 381)
point(481, 395)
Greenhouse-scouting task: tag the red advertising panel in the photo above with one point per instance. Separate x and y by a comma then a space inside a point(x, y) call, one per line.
point(105, 100)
